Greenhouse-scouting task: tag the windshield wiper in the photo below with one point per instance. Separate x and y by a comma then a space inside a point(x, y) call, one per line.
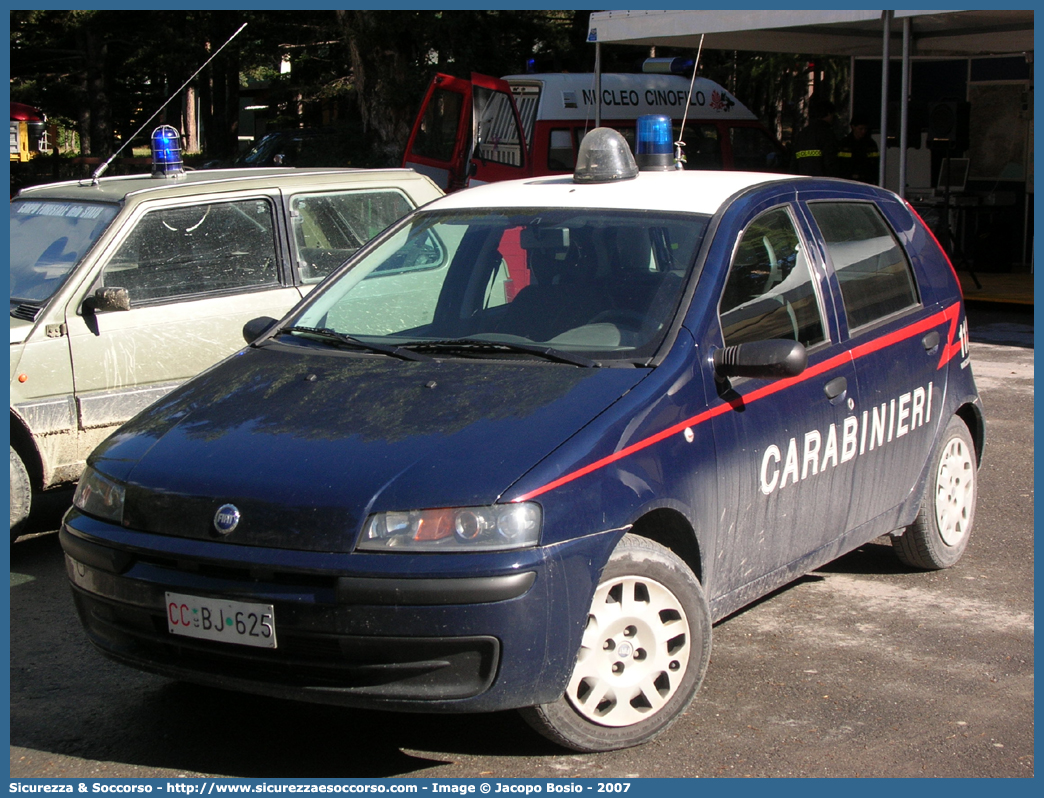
point(465, 345)
point(333, 335)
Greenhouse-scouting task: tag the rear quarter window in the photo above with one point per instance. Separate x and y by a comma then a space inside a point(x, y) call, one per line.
point(872, 268)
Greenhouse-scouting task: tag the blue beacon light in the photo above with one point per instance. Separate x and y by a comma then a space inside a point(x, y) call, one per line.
point(166, 153)
point(654, 146)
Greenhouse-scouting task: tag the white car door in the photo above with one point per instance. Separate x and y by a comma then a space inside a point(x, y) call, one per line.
point(194, 274)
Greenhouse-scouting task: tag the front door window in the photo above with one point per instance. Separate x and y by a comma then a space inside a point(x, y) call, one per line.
point(197, 249)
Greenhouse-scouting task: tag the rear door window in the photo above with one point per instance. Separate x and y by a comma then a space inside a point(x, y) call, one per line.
point(330, 227)
point(876, 278)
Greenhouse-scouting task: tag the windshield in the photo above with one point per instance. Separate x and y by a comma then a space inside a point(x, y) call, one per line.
point(48, 240)
point(261, 153)
point(601, 283)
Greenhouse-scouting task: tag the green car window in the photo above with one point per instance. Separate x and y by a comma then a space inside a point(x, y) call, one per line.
point(182, 251)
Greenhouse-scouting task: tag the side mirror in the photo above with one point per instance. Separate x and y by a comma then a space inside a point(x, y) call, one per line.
point(104, 300)
point(255, 328)
point(769, 359)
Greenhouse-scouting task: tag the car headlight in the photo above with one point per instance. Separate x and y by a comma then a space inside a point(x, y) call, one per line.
point(99, 496)
point(496, 528)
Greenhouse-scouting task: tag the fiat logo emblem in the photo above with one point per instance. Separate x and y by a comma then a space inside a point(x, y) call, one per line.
point(226, 519)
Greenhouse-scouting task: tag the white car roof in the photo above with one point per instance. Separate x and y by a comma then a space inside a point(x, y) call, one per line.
point(686, 191)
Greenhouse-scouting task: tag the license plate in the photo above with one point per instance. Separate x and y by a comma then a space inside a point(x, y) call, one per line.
point(228, 621)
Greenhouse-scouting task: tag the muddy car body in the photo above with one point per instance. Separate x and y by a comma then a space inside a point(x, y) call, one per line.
point(124, 287)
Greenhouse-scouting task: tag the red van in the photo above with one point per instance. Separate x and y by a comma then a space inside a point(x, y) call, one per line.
point(488, 129)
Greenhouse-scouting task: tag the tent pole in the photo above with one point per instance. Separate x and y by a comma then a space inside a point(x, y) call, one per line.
point(598, 84)
point(904, 107)
point(851, 86)
point(886, 26)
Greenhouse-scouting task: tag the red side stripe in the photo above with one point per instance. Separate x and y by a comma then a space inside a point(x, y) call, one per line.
point(952, 347)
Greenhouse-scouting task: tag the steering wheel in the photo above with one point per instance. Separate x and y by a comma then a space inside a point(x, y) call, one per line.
point(191, 221)
point(621, 317)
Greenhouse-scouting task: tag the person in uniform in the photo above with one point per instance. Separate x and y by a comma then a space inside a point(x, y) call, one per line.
point(858, 156)
point(815, 147)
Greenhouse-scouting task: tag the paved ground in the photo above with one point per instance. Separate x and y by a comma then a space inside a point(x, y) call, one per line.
point(860, 669)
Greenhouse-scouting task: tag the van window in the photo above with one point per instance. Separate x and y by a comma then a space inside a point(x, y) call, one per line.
point(527, 98)
point(875, 276)
point(560, 155)
point(437, 134)
point(770, 291)
point(702, 144)
point(499, 138)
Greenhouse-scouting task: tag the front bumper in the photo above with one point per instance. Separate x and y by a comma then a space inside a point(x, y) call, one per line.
point(419, 633)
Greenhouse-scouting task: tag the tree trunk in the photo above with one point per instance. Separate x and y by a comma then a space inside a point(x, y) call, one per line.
point(191, 129)
point(95, 51)
point(220, 134)
point(219, 94)
point(232, 101)
point(83, 115)
point(379, 70)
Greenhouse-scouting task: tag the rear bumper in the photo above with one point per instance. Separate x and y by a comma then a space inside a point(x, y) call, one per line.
point(506, 637)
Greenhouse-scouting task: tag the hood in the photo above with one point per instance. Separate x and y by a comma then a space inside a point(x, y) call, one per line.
point(20, 328)
point(306, 444)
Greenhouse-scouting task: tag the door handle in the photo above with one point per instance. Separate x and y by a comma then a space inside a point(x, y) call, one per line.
point(836, 388)
point(931, 342)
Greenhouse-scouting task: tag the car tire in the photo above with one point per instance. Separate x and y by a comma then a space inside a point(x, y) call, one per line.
point(644, 652)
point(939, 535)
point(21, 494)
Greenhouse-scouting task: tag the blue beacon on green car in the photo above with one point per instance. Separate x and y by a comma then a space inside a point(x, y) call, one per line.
point(526, 446)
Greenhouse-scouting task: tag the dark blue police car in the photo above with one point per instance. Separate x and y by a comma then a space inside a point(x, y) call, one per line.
point(533, 441)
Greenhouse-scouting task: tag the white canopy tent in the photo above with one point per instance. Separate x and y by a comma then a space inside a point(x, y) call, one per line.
point(819, 32)
point(846, 33)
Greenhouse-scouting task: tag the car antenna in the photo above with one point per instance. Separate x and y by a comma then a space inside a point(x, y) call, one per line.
point(101, 169)
point(679, 156)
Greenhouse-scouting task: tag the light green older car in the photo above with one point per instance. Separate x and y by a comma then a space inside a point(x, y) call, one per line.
point(123, 288)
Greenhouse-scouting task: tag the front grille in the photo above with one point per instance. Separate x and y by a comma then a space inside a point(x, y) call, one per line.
point(247, 574)
point(385, 667)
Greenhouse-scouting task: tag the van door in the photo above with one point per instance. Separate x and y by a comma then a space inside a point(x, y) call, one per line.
point(467, 132)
